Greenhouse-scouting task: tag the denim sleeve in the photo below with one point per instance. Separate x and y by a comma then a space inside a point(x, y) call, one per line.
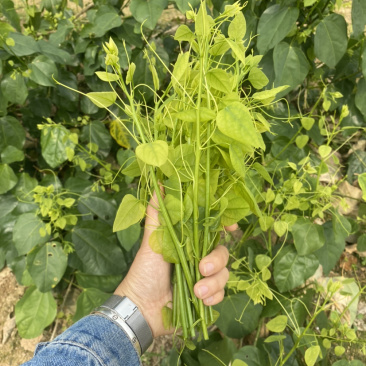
point(92, 341)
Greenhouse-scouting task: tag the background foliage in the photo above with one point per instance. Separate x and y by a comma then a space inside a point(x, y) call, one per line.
point(60, 154)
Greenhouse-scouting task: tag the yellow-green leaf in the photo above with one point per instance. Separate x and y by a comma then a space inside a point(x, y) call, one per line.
point(278, 324)
point(118, 132)
point(301, 141)
point(130, 211)
point(153, 153)
point(311, 355)
point(102, 99)
point(324, 150)
point(107, 76)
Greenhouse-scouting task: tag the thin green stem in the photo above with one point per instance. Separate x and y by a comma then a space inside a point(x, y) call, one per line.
point(181, 301)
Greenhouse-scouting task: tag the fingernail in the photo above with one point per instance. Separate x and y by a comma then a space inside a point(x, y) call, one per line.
point(209, 300)
point(208, 268)
point(203, 291)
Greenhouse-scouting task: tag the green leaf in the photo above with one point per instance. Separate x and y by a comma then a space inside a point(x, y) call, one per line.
point(252, 356)
point(273, 26)
point(8, 10)
point(277, 324)
point(361, 95)
point(175, 208)
point(24, 45)
point(239, 363)
point(307, 123)
point(356, 165)
point(335, 242)
point(219, 79)
point(153, 153)
point(237, 27)
point(274, 338)
point(324, 150)
point(88, 300)
point(280, 228)
point(202, 23)
point(257, 78)
point(130, 211)
point(231, 310)
point(170, 254)
point(301, 141)
point(97, 133)
point(263, 172)
point(42, 71)
point(102, 99)
point(11, 133)
point(129, 237)
point(183, 5)
point(308, 237)
point(309, 2)
point(237, 158)
point(11, 154)
point(54, 145)
point(364, 62)
point(330, 41)
point(24, 187)
point(236, 122)
point(361, 243)
point(269, 95)
point(107, 76)
point(183, 33)
point(262, 261)
point(236, 209)
point(7, 178)
point(190, 115)
point(148, 10)
point(103, 283)
point(54, 53)
point(292, 270)
point(311, 355)
point(14, 89)
point(97, 248)
point(358, 17)
point(217, 353)
point(34, 312)
point(47, 265)
point(291, 66)
point(348, 363)
point(26, 233)
point(339, 350)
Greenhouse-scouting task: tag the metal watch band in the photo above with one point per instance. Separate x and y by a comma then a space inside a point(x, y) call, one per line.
point(130, 314)
point(118, 320)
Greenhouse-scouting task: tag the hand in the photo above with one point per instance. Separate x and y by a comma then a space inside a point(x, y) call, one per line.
point(148, 285)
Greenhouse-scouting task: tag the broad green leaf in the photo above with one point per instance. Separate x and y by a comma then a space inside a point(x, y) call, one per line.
point(170, 254)
point(11, 154)
point(14, 89)
point(104, 283)
point(237, 208)
point(46, 265)
point(97, 248)
point(8, 10)
point(360, 96)
point(238, 362)
point(26, 233)
point(183, 33)
point(175, 208)
point(348, 363)
point(290, 65)
point(263, 172)
point(97, 133)
point(330, 41)
point(219, 79)
point(231, 310)
point(358, 17)
point(237, 158)
point(220, 46)
point(335, 242)
point(262, 261)
point(107, 76)
point(301, 141)
point(8, 179)
point(307, 123)
point(129, 237)
point(88, 300)
point(190, 115)
point(130, 211)
point(156, 240)
point(364, 62)
point(237, 27)
point(43, 70)
point(55, 53)
point(356, 165)
point(202, 23)
point(119, 133)
point(274, 338)
point(309, 2)
point(102, 99)
point(24, 187)
point(324, 150)
point(236, 122)
point(277, 324)
point(266, 222)
point(24, 45)
point(338, 351)
point(34, 312)
point(181, 70)
point(292, 270)
point(153, 153)
point(269, 95)
point(308, 237)
point(280, 228)
point(222, 349)
point(250, 199)
point(273, 26)
point(183, 5)
point(54, 145)
point(147, 10)
point(362, 184)
point(257, 78)
point(252, 356)
point(311, 355)
point(238, 50)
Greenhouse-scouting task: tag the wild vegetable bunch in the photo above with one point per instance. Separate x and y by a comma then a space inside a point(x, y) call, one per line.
point(200, 139)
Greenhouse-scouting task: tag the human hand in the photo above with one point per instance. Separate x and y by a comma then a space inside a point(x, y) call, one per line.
point(148, 284)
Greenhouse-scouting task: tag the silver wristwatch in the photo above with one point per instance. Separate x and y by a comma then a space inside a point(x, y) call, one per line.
point(124, 313)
